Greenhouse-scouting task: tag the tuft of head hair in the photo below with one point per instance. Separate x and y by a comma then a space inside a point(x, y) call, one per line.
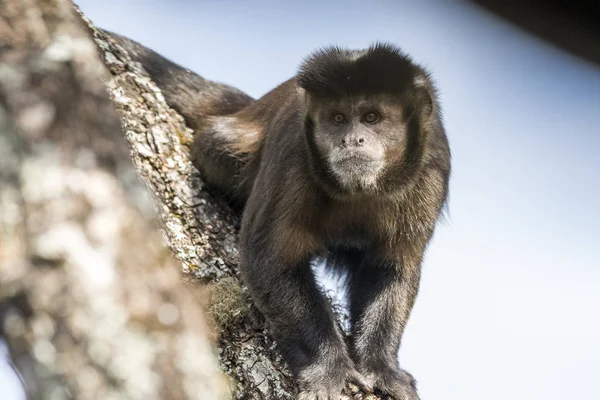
point(335, 71)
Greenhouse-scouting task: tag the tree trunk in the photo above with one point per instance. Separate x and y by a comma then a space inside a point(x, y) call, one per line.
point(92, 303)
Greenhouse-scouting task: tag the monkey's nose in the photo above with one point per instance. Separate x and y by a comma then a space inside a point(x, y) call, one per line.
point(353, 142)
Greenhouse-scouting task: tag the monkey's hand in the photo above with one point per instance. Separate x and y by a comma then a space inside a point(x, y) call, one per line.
point(393, 383)
point(331, 381)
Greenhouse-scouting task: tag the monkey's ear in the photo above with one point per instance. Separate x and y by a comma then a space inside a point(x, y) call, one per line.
point(424, 94)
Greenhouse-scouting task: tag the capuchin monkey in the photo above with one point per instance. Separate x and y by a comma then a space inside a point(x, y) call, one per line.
point(347, 161)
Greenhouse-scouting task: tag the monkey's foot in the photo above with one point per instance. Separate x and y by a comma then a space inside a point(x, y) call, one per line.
point(321, 383)
point(393, 384)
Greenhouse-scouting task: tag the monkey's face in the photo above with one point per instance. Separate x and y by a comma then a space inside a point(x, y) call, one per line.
point(357, 138)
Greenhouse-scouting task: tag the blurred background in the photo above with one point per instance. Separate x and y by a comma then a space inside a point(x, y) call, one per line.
point(508, 307)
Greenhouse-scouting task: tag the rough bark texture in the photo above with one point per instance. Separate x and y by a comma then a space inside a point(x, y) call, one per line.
point(91, 304)
point(200, 229)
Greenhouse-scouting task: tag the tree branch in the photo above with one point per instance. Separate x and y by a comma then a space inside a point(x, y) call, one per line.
point(200, 229)
point(92, 305)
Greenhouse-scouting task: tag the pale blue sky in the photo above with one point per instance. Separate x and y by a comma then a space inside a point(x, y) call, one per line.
point(509, 300)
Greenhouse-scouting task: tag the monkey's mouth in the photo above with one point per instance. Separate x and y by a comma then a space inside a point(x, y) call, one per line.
point(351, 157)
point(355, 171)
point(353, 160)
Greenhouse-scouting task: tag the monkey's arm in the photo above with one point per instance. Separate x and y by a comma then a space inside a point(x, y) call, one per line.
point(384, 286)
point(382, 294)
point(275, 266)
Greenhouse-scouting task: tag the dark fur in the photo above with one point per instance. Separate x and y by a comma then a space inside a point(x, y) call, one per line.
point(334, 71)
point(269, 155)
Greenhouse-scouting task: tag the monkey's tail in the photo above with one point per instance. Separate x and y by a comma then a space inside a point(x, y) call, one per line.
point(224, 150)
point(189, 94)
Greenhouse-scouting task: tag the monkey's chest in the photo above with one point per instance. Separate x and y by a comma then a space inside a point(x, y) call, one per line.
point(358, 227)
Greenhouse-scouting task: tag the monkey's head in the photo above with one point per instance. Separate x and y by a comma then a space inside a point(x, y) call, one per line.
point(367, 113)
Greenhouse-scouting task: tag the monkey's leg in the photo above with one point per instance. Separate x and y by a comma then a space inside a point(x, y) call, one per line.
point(382, 294)
point(303, 323)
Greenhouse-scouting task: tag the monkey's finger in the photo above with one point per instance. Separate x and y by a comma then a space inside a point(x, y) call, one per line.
point(357, 383)
point(349, 396)
point(352, 391)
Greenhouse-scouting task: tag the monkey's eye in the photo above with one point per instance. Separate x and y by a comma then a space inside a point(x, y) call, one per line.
point(339, 118)
point(371, 117)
